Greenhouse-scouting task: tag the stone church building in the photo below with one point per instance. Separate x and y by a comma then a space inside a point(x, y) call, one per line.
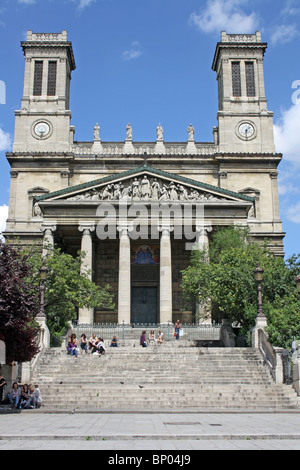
point(137, 208)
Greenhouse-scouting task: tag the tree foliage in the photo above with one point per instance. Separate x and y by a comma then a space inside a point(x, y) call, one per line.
point(18, 306)
point(66, 288)
point(228, 282)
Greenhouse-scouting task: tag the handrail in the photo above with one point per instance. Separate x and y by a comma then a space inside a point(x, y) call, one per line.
point(272, 356)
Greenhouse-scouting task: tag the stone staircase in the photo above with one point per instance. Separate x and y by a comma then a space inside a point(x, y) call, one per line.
point(172, 376)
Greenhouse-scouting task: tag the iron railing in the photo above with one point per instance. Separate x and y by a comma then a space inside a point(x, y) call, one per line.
point(122, 331)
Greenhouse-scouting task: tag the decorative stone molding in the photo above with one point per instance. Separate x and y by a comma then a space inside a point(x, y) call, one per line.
point(274, 175)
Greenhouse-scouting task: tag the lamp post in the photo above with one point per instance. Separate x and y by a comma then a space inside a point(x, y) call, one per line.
point(43, 275)
point(297, 281)
point(258, 273)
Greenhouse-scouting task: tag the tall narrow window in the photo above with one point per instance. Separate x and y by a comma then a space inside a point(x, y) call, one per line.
point(236, 79)
point(38, 78)
point(250, 82)
point(51, 88)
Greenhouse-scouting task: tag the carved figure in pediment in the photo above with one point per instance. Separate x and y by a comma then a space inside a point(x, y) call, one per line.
point(126, 193)
point(194, 195)
point(173, 195)
point(145, 188)
point(95, 196)
point(135, 189)
point(118, 190)
point(155, 189)
point(183, 194)
point(164, 195)
point(107, 192)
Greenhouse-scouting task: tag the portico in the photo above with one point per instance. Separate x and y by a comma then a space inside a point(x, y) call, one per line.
point(146, 232)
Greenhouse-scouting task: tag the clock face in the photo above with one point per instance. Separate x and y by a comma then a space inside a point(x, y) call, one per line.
point(42, 129)
point(246, 130)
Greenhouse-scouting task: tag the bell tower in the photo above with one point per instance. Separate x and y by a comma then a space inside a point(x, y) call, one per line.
point(43, 122)
point(244, 123)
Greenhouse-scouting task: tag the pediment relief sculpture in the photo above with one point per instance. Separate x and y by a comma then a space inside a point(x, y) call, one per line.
point(146, 189)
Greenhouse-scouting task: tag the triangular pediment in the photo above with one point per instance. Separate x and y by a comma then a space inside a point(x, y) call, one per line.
point(145, 184)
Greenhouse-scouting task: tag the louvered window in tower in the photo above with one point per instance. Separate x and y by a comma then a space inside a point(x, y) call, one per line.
point(250, 82)
point(38, 78)
point(236, 79)
point(51, 89)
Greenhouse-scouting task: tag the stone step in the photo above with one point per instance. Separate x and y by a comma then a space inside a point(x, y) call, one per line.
point(155, 395)
point(142, 402)
point(191, 377)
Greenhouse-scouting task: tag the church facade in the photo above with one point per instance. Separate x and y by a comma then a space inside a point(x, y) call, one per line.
point(137, 209)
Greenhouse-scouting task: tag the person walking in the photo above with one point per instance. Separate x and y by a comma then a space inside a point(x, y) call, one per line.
point(177, 329)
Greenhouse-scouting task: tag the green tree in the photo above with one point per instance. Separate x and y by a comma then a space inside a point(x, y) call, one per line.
point(66, 288)
point(228, 282)
point(18, 306)
point(284, 320)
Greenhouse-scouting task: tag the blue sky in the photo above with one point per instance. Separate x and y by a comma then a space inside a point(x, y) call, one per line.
point(149, 61)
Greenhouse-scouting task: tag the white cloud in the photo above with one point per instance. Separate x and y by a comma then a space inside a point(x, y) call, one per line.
point(293, 213)
point(3, 217)
point(287, 142)
point(228, 15)
point(134, 52)
point(85, 3)
point(82, 4)
point(290, 8)
point(5, 140)
point(27, 2)
point(287, 135)
point(284, 34)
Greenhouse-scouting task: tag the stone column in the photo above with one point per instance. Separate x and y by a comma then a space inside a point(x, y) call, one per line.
point(165, 274)
point(202, 239)
point(124, 292)
point(86, 315)
point(48, 241)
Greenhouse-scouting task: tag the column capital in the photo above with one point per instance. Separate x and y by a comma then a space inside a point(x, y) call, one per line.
point(87, 228)
point(124, 227)
point(163, 228)
point(45, 227)
point(201, 228)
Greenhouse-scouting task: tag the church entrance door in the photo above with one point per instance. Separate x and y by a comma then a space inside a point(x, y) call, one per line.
point(144, 304)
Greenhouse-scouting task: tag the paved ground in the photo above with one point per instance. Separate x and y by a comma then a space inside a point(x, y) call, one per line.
point(121, 431)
